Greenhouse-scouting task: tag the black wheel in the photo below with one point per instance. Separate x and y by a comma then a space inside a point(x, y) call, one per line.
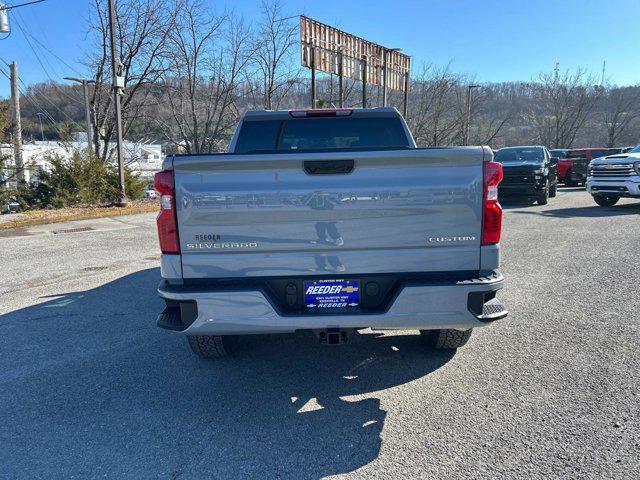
point(213, 346)
point(553, 191)
point(445, 339)
point(606, 201)
point(543, 198)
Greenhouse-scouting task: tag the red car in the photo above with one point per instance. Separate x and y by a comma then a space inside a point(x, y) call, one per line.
point(572, 170)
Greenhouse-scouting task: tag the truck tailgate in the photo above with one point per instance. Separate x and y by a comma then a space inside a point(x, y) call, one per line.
point(305, 214)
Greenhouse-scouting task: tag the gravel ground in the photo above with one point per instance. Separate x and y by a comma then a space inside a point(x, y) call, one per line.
point(91, 388)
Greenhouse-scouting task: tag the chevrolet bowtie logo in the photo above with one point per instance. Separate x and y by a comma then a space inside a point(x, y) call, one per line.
point(350, 289)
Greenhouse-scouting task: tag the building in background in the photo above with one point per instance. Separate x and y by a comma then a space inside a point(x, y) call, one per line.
point(143, 159)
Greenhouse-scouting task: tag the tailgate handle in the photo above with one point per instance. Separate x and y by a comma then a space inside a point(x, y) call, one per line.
point(328, 167)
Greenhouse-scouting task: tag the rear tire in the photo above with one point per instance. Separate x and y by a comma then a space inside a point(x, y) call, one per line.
point(605, 201)
point(553, 190)
point(213, 346)
point(446, 339)
point(543, 198)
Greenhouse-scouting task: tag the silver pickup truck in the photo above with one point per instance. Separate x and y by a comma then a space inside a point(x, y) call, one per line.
point(328, 221)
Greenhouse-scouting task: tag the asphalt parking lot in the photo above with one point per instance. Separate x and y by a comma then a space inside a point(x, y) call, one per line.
point(89, 387)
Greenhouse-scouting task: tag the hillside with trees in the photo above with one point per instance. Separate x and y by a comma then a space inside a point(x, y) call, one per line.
point(191, 73)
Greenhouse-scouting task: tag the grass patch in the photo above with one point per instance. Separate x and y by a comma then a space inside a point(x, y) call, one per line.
point(42, 217)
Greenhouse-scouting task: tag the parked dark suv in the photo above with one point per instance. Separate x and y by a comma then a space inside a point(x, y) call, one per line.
point(530, 173)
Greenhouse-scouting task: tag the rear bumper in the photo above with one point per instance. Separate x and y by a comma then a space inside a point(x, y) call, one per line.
point(613, 187)
point(458, 304)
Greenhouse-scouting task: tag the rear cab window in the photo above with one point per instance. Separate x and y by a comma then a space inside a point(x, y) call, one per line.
point(520, 154)
point(321, 134)
point(600, 153)
point(576, 154)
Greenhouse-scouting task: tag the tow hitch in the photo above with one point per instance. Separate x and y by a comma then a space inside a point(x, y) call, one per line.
point(332, 336)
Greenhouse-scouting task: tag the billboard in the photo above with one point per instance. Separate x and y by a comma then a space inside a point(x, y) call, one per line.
point(323, 48)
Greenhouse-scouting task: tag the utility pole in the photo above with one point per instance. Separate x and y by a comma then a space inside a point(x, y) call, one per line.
point(468, 122)
point(17, 125)
point(118, 86)
point(4, 14)
point(40, 115)
point(87, 109)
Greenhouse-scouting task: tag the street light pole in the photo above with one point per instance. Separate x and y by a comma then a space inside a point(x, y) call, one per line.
point(466, 129)
point(117, 86)
point(87, 108)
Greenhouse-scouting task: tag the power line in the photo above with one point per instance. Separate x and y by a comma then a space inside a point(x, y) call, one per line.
point(34, 101)
point(49, 102)
point(45, 98)
point(19, 23)
point(52, 53)
point(9, 7)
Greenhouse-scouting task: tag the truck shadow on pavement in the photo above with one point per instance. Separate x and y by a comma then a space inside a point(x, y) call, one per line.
point(594, 211)
point(91, 387)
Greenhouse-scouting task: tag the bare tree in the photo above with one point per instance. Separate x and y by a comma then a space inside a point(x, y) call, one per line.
point(619, 110)
point(190, 75)
point(435, 117)
point(141, 36)
point(561, 106)
point(277, 38)
point(487, 122)
point(208, 54)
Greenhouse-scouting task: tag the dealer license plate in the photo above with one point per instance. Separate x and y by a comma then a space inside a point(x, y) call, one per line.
point(323, 294)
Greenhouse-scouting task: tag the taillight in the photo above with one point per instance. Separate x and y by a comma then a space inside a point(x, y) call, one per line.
point(491, 209)
point(166, 220)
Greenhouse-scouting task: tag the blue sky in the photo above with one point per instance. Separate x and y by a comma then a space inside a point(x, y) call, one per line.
point(492, 40)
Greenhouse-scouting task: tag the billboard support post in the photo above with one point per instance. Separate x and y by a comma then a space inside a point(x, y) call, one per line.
point(384, 77)
point(406, 95)
point(340, 79)
point(313, 77)
point(364, 82)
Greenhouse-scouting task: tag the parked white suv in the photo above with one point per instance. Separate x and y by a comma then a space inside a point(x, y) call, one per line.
point(615, 176)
